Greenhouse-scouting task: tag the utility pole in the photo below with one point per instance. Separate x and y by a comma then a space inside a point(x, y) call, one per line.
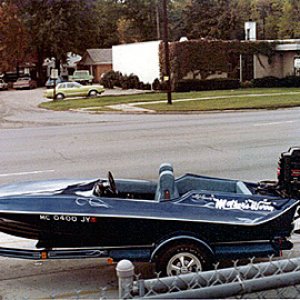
point(167, 76)
point(157, 21)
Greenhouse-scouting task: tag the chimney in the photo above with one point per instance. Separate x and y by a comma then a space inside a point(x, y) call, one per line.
point(250, 30)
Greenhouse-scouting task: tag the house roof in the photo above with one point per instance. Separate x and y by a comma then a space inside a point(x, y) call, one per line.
point(96, 57)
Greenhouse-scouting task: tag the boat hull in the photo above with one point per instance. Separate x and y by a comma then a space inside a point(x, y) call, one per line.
point(67, 230)
point(74, 216)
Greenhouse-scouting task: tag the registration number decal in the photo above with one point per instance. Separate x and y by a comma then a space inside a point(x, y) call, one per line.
point(68, 218)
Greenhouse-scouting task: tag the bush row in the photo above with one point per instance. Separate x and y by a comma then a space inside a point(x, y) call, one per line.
point(113, 79)
point(186, 85)
point(270, 81)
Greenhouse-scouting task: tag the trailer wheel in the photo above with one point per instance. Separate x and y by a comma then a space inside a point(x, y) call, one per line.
point(181, 259)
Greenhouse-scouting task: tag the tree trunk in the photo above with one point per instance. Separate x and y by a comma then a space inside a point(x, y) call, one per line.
point(57, 64)
point(40, 74)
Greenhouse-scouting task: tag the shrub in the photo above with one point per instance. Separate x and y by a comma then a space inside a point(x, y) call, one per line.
point(266, 82)
point(187, 85)
point(290, 81)
point(270, 81)
point(246, 84)
point(164, 86)
point(124, 82)
point(113, 79)
point(156, 84)
point(133, 81)
point(146, 86)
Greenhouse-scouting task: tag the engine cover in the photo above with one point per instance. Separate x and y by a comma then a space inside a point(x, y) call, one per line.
point(289, 172)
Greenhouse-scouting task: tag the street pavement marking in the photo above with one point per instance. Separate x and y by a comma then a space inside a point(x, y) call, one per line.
point(25, 173)
point(275, 123)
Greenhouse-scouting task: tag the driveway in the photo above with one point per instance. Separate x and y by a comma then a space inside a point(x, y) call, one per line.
point(19, 108)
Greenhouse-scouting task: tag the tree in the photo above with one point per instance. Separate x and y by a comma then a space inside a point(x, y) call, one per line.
point(267, 14)
point(108, 13)
point(127, 31)
point(272, 19)
point(240, 13)
point(228, 21)
point(177, 11)
point(139, 17)
point(289, 25)
point(199, 18)
point(58, 26)
point(51, 28)
point(13, 38)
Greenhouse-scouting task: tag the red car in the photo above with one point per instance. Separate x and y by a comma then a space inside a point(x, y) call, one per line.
point(25, 83)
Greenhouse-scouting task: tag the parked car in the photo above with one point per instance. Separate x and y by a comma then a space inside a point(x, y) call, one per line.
point(82, 76)
point(50, 82)
point(25, 83)
point(73, 89)
point(3, 85)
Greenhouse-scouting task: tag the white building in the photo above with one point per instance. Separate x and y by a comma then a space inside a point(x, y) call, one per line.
point(141, 59)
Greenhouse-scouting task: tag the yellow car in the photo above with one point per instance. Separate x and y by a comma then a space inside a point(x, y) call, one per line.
point(73, 89)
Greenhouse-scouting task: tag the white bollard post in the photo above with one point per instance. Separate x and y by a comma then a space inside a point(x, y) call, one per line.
point(125, 272)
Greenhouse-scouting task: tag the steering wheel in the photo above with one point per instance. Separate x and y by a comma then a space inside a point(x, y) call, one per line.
point(112, 183)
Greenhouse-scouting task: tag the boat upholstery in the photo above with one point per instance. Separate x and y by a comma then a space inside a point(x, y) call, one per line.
point(170, 188)
point(166, 187)
point(193, 182)
point(165, 167)
point(138, 189)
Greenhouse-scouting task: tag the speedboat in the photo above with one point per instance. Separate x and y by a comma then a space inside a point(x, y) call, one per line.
point(222, 218)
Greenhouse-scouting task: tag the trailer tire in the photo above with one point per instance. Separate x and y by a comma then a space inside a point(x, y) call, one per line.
point(181, 259)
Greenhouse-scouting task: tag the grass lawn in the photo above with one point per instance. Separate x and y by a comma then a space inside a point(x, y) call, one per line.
point(192, 101)
point(100, 103)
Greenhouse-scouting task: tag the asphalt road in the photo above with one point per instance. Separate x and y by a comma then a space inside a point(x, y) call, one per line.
point(38, 144)
point(41, 144)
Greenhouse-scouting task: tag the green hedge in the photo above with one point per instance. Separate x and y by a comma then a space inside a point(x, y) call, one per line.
point(290, 81)
point(270, 81)
point(113, 79)
point(187, 85)
point(206, 57)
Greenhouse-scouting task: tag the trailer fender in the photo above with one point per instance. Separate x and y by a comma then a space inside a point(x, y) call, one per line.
point(181, 239)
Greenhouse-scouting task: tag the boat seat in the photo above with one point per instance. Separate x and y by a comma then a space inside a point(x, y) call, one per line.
point(193, 182)
point(166, 187)
point(165, 167)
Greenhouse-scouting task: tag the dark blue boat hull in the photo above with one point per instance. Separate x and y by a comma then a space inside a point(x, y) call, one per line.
point(71, 217)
